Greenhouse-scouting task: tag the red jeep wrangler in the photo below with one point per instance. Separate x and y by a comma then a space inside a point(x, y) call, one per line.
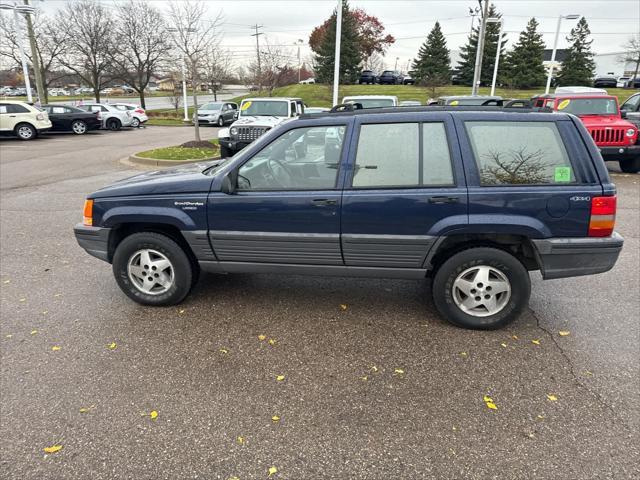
point(616, 138)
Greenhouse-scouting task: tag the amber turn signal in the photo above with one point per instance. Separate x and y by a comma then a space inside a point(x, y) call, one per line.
point(88, 212)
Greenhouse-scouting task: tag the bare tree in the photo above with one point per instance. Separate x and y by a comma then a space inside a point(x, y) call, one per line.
point(141, 46)
point(51, 44)
point(193, 35)
point(175, 99)
point(275, 69)
point(632, 54)
point(216, 68)
point(90, 41)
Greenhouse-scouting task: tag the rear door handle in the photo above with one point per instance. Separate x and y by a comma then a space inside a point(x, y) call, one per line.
point(443, 199)
point(324, 202)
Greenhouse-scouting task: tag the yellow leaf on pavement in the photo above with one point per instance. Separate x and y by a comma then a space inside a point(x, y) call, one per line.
point(53, 449)
point(23, 299)
point(564, 333)
point(224, 350)
point(280, 378)
point(343, 306)
point(515, 337)
point(487, 398)
point(55, 348)
point(8, 335)
point(240, 440)
point(535, 342)
point(463, 354)
point(399, 371)
point(492, 406)
point(504, 345)
point(374, 368)
point(272, 471)
point(181, 311)
point(552, 397)
point(262, 338)
point(153, 415)
point(33, 332)
point(112, 346)
point(364, 378)
point(272, 341)
point(87, 409)
point(275, 418)
point(7, 281)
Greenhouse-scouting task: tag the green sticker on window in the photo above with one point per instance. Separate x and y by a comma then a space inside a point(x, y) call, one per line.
point(562, 174)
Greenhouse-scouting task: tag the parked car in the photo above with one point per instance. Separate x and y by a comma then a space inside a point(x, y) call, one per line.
point(256, 117)
point(372, 101)
point(217, 113)
point(410, 103)
point(22, 120)
point(622, 82)
point(408, 79)
point(374, 202)
point(57, 92)
point(138, 115)
point(307, 81)
point(616, 137)
point(605, 82)
point(631, 109)
point(471, 100)
point(390, 77)
point(368, 77)
point(112, 117)
point(71, 119)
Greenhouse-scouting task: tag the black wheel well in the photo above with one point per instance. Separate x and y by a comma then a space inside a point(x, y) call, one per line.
point(120, 232)
point(24, 123)
point(519, 246)
point(114, 119)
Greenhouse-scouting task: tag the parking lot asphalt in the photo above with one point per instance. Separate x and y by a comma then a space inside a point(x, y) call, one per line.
point(375, 386)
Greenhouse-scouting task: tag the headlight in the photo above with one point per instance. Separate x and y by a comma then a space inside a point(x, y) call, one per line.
point(234, 131)
point(631, 132)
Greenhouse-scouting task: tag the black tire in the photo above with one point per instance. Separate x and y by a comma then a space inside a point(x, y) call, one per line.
point(25, 131)
point(114, 124)
point(507, 264)
point(226, 152)
point(220, 122)
point(79, 127)
point(183, 269)
point(135, 122)
point(630, 165)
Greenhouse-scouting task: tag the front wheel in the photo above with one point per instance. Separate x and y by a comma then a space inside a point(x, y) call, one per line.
point(630, 165)
point(481, 288)
point(152, 269)
point(226, 152)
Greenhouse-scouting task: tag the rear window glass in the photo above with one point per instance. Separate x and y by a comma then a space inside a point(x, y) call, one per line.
point(523, 153)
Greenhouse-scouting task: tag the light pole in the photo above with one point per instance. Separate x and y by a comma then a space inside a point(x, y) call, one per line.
point(19, 41)
point(298, 43)
point(28, 10)
point(555, 47)
point(495, 67)
point(184, 82)
point(396, 65)
point(479, 48)
point(336, 60)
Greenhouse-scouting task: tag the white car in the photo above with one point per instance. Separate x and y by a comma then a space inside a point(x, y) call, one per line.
point(22, 120)
point(372, 101)
point(112, 118)
point(139, 116)
point(308, 81)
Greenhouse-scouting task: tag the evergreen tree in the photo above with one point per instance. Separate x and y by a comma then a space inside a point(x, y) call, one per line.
point(523, 64)
point(350, 56)
point(467, 62)
point(432, 67)
point(578, 66)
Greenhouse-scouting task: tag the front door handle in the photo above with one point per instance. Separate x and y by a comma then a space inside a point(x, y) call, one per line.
point(443, 199)
point(324, 202)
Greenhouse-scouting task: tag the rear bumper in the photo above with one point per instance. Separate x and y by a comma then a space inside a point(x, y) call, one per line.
point(572, 257)
point(95, 240)
point(617, 153)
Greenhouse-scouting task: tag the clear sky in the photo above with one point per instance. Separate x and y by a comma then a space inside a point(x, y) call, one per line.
point(612, 22)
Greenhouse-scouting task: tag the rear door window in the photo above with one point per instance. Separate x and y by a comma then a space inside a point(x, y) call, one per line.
point(522, 153)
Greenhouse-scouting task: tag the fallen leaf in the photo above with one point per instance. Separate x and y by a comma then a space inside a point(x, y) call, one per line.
point(262, 338)
point(374, 368)
point(463, 354)
point(112, 346)
point(564, 333)
point(181, 311)
point(55, 348)
point(153, 415)
point(23, 299)
point(587, 372)
point(515, 337)
point(364, 378)
point(272, 471)
point(280, 378)
point(234, 478)
point(53, 449)
point(87, 409)
point(45, 312)
point(504, 345)
point(535, 342)
point(272, 341)
point(492, 406)
point(224, 350)
point(552, 397)
point(540, 417)
point(33, 332)
point(58, 295)
point(487, 398)
point(275, 418)
point(399, 371)
point(240, 440)
point(8, 335)
point(7, 281)
point(343, 306)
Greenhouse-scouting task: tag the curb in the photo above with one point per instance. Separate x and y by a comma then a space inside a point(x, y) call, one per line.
point(154, 162)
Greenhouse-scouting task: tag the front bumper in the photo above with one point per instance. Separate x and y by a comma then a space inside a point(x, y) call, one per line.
point(618, 153)
point(233, 145)
point(572, 257)
point(207, 120)
point(95, 240)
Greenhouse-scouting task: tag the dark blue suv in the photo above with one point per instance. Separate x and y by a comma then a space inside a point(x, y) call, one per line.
point(472, 199)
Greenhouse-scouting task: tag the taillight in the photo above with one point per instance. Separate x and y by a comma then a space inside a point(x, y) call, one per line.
point(40, 117)
point(139, 110)
point(603, 216)
point(88, 212)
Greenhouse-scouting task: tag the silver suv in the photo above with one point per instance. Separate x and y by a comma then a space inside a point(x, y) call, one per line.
point(112, 118)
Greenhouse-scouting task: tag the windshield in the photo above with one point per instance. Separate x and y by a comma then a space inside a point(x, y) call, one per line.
point(264, 108)
point(372, 102)
point(210, 106)
point(588, 106)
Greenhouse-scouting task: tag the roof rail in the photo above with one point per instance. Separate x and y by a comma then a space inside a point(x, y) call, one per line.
point(346, 107)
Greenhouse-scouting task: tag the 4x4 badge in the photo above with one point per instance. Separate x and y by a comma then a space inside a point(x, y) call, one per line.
point(580, 199)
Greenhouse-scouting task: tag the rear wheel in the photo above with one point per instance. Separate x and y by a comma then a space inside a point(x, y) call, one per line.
point(135, 123)
point(114, 124)
point(481, 288)
point(152, 269)
point(25, 131)
point(630, 165)
point(79, 127)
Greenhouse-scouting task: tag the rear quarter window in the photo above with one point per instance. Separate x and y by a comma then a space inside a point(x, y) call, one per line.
point(519, 153)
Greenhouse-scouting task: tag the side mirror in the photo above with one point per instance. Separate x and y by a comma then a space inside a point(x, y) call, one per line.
point(623, 114)
point(229, 183)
